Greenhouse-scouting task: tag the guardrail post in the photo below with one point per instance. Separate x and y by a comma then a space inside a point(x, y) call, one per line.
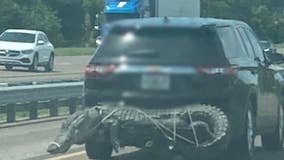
point(53, 108)
point(33, 110)
point(72, 104)
point(11, 113)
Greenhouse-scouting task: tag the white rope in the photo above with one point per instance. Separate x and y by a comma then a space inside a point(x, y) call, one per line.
point(162, 127)
point(175, 126)
point(165, 128)
point(193, 128)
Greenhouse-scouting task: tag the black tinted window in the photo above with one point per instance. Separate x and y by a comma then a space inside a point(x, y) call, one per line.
point(17, 37)
point(246, 42)
point(40, 37)
point(231, 44)
point(257, 49)
point(168, 44)
point(45, 38)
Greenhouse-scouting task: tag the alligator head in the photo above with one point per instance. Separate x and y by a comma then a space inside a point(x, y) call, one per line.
point(75, 130)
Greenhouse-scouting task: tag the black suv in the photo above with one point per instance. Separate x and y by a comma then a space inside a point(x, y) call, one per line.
point(165, 63)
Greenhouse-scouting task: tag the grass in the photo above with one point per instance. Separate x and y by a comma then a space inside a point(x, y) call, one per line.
point(280, 45)
point(73, 51)
point(2, 117)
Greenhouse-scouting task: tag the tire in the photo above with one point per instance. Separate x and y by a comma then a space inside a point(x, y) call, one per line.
point(34, 66)
point(49, 67)
point(243, 148)
point(274, 141)
point(98, 150)
point(9, 67)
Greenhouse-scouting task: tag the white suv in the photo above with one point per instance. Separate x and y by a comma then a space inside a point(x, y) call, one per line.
point(26, 48)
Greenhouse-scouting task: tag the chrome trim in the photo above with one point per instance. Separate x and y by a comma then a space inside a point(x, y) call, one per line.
point(155, 69)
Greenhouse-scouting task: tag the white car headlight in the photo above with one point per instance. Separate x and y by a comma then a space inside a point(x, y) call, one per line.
point(28, 51)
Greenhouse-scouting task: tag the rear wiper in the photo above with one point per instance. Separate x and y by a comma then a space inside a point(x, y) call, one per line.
point(143, 53)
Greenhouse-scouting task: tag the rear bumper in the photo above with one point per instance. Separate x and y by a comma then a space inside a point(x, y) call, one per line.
point(92, 97)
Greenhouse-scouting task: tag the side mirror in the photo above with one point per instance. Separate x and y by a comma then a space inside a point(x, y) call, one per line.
point(275, 58)
point(40, 42)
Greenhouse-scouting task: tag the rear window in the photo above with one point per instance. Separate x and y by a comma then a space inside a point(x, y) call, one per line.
point(194, 46)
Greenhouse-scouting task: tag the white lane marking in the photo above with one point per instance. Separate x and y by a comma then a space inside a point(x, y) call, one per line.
point(68, 156)
point(64, 63)
point(127, 150)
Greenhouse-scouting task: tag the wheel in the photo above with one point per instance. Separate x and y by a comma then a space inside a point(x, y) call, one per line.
point(49, 67)
point(98, 150)
point(9, 67)
point(34, 66)
point(243, 148)
point(274, 141)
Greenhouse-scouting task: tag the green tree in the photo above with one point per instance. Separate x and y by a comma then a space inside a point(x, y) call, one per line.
point(31, 14)
point(10, 19)
point(39, 16)
point(91, 8)
point(265, 16)
point(71, 14)
point(77, 18)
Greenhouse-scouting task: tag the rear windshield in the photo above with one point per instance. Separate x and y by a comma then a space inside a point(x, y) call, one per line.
point(193, 46)
point(17, 37)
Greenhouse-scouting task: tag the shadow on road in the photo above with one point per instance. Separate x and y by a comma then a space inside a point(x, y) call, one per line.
point(261, 154)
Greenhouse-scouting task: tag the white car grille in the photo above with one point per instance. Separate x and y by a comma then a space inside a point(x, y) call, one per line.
point(9, 53)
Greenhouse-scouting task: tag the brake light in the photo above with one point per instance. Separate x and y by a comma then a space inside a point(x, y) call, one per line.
point(217, 70)
point(98, 70)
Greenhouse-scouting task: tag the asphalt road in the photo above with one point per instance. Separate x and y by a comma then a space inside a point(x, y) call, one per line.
point(66, 68)
point(281, 50)
point(29, 142)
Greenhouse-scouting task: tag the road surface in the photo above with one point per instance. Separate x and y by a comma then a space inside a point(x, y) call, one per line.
point(66, 68)
point(281, 50)
point(29, 142)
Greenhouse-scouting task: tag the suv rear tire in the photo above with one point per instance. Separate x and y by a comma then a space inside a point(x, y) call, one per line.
point(98, 150)
point(274, 141)
point(243, 148)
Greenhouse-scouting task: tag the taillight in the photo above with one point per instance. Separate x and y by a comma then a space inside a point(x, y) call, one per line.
point(98, 70)
point(217, 70)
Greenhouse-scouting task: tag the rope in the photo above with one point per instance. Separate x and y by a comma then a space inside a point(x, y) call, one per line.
point(162, 128)
point(193, 128)
point(175, 127)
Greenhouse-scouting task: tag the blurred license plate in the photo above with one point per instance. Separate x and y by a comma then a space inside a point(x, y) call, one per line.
point(155, 82)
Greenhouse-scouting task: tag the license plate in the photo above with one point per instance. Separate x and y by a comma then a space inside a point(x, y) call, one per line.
point(155, 82)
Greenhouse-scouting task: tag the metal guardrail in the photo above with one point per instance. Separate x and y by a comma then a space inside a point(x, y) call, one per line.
point(54, 94)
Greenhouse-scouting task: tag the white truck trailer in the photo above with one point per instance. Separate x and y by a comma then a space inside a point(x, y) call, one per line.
point(175, 8)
